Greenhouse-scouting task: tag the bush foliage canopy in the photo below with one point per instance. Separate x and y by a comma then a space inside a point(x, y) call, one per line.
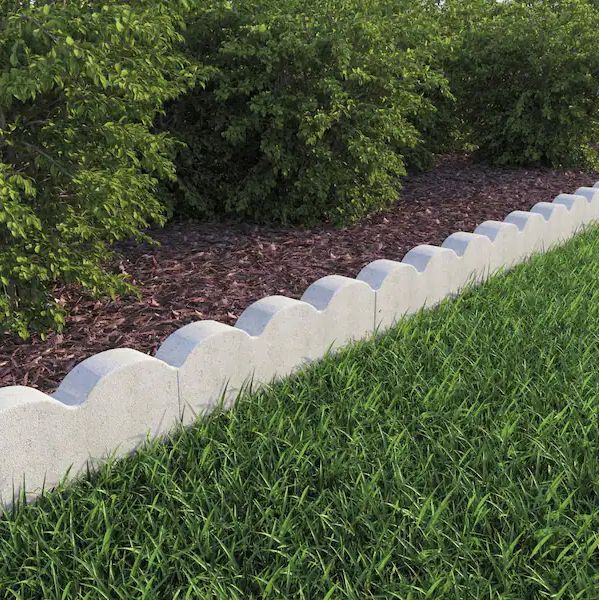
point(309, 106)
point(80, 86)
point(525, 76)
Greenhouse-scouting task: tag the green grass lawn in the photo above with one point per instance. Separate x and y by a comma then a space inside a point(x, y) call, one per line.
point(454, 457)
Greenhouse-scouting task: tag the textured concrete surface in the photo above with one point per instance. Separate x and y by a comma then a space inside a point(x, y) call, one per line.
point(580, 210)
point(506, 242)
point(397, 290)
point(591, 194)
point(557, 228)
point(285, 336)
point(108, 403)
point(475, 252)
point(346, 311)
point(214, 363)
point(439, 271)
point(531, 228)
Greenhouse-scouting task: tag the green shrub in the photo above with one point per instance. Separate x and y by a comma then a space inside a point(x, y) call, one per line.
point(311, 107)
point(525, 75)
point(440, 129)
point(80, 86)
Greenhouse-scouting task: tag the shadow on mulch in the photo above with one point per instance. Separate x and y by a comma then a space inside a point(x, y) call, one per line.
point(206, 271)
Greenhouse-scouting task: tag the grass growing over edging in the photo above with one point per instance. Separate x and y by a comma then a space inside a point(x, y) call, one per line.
point(455, 457)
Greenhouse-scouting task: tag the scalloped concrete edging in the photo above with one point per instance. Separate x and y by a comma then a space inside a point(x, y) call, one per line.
point(109, 403)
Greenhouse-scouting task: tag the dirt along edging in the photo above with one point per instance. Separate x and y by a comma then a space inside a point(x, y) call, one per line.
point(205, 271)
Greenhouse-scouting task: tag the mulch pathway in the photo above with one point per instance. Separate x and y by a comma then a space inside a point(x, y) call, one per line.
point(208, 271)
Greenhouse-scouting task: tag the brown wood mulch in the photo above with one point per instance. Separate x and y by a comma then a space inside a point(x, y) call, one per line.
point(207, 271)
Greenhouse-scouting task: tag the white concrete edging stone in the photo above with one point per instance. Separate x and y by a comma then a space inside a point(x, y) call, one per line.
point(109, 403)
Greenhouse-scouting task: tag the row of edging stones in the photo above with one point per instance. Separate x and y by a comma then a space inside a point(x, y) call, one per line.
point(111, 402)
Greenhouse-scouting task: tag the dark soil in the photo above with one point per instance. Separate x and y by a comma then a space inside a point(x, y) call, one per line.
point(206, 271)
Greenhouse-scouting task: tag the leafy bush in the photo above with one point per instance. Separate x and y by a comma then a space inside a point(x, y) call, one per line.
point(439, 126)
point(312, 105)
point(80, 86)
point(525, 75)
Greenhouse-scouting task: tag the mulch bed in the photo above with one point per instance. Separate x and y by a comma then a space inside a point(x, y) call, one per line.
point(207, 271)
